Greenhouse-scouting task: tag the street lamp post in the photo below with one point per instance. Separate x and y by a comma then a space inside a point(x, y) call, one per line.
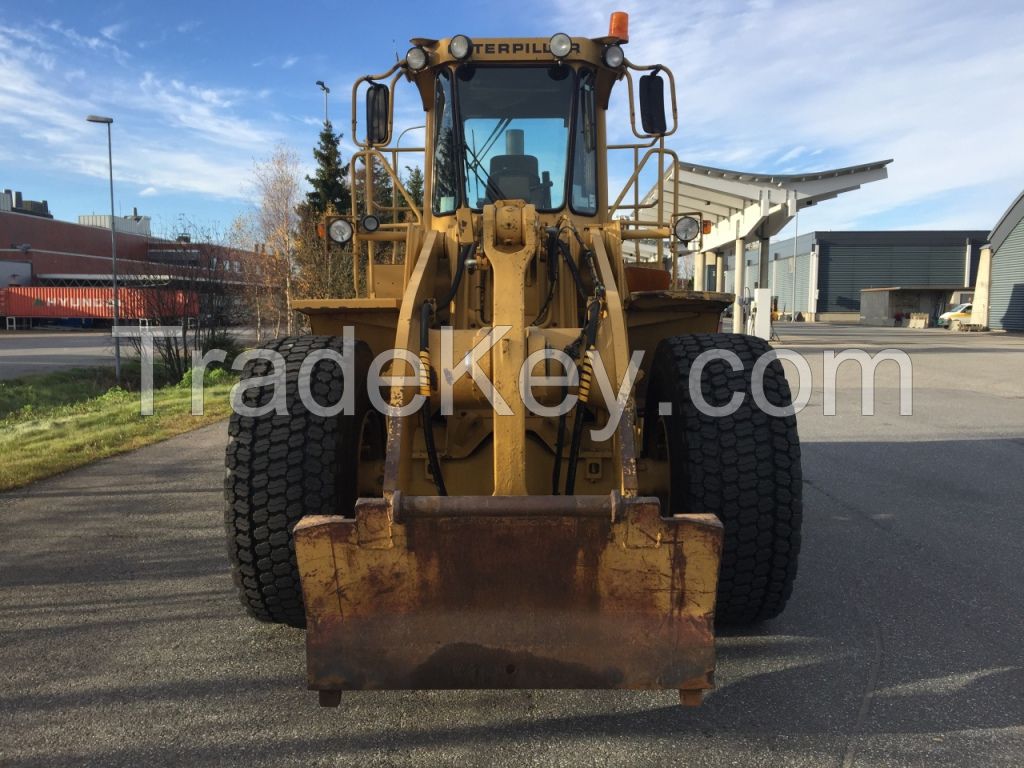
point(326, 90)
point(113, 245)
point(410, 128)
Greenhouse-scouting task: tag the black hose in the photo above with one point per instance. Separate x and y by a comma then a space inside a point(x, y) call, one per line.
point(426, 416)
point(573, 269)
point(554, 258)
point(465, 253)
point(586, 372)
point(427, 313)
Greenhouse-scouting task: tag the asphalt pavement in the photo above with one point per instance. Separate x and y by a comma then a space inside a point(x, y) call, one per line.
point(27, 352)
point(122, 643)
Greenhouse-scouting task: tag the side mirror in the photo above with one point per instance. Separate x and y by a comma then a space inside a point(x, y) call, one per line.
point(378, 114)
point(652, 105)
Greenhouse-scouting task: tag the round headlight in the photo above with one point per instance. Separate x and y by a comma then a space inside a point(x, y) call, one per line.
point(370, 223)
point(614, 56)
point(687, 228)
point(340, 231)
point(460, 47)
point(560, 45)
point(416, 59)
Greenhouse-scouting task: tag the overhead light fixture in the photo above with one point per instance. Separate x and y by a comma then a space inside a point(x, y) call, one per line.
point(416, 59)
point(340, 231)
point(460, 47)
point(560, 45)
point(614, 56)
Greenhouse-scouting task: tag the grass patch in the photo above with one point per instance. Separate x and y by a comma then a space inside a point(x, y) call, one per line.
point(58, 421)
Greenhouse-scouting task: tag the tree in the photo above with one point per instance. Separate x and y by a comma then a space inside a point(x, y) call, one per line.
point(261, 299)
point(197, 292)
point(330, 181)
point(323, 268)
point(414, 183)
point(276, 183)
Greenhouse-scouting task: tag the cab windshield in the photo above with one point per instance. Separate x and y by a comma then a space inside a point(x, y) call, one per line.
point(515, 130)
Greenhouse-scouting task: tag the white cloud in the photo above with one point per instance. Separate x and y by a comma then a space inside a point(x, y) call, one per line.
point(290, 62)
point(26, 46)
point(169, 135)
point(792, 154)
point(113, 31)
point(935, 85)
point(202, 111)
point(89, 42)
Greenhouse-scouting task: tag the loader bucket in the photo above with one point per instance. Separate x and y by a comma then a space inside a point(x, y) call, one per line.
point(509, 592)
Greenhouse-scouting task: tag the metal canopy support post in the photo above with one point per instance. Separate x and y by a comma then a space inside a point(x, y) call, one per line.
point(719, 272)
point(762, 264)
point(739, 280)
point(699, 271)
point(796, 270)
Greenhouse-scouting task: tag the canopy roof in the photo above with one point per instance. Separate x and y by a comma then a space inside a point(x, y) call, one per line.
point(751, 206)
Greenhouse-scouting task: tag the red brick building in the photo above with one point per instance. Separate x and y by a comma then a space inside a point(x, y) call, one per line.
point(39, 252)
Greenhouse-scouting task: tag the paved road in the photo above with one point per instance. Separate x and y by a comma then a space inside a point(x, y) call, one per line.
point(27, 352)
point(121, 642)
point(23, 353)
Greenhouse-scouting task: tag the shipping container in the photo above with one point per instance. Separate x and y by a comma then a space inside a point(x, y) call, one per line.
point(95, 303)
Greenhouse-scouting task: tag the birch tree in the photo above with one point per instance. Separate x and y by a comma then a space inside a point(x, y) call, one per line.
point(277, 188)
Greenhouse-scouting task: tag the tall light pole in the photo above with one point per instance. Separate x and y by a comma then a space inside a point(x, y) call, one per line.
point(326, 91)
point(113, 244)
point(410, 128)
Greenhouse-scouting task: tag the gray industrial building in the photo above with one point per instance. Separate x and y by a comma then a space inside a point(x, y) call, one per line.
point(1006, 289)
point(822, 277)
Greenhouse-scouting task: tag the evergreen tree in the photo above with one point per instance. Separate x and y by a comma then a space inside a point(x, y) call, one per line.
point(330, 182)
point(414, 183)
point(324, 268)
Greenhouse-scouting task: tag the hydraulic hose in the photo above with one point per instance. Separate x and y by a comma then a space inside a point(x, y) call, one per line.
point(426, 416)
point(465, 253)
point(427, 312)
point(586, 376)
point(554, 258)
point(573, 269)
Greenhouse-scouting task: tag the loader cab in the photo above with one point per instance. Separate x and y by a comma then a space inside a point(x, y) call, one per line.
point(515, 119)
point(505, 120)
point(505, 132)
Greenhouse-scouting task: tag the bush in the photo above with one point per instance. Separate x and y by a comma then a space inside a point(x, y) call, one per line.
point(211, 377)
point(222, 340)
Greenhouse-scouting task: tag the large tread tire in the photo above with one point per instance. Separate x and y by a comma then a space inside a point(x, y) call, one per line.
point(280, 468)
point(744, 468)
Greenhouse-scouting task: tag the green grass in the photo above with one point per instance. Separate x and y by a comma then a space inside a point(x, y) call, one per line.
point(54, 422)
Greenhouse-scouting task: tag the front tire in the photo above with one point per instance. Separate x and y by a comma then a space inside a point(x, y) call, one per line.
point(744, 468)
point(281, 468)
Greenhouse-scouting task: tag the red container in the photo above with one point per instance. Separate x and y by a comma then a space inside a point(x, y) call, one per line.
point(95, 303)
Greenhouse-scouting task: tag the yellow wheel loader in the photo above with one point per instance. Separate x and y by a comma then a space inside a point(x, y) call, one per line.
point(521, 456)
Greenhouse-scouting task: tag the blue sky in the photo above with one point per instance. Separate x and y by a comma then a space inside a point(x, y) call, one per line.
point(199, 91)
